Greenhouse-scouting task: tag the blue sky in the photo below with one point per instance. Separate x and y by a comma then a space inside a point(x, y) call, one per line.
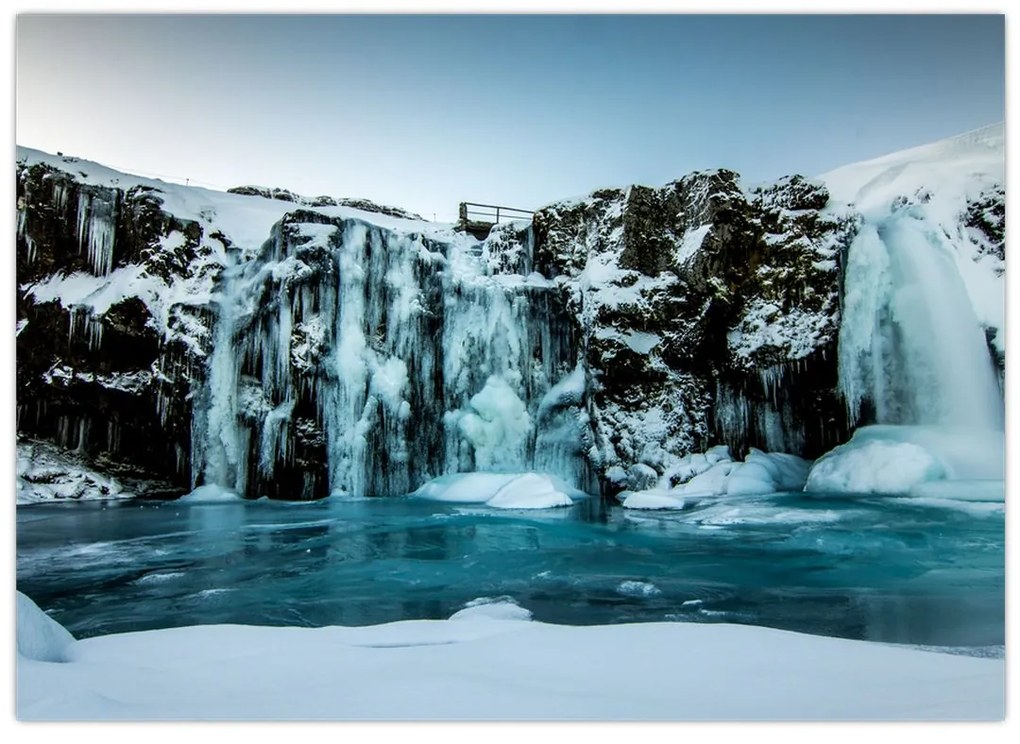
point(426, 111)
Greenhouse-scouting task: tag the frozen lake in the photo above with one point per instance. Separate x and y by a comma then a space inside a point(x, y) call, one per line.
point(893, 570)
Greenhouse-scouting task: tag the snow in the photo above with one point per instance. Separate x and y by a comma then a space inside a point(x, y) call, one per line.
point(691, 244)
point(211, 493)
point(500, 490)
point(759, 473)
point(47, 473)
point(464, 488)
point(898, 460)
point(492, 608)
point(951, 169)
point(246, 220)
point(40, 637)
point(488, 664)
point(530, 491)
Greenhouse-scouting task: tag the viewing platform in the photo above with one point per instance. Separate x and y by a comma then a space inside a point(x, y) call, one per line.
point(478, 219)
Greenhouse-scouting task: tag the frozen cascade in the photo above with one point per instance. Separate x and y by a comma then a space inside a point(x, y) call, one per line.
point(97, 220)
point(355, 360)
point(910, 343)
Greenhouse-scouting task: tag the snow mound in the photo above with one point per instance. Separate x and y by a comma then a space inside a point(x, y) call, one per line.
point(897, 460)
point(46, 473)
point(210, 494)
point(492, 608)
point(715, 474)
point(40, 637)
point(464, 488)
point(500, 490)
point(530, 491)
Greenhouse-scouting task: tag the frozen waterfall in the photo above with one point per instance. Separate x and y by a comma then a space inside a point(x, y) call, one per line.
point(910, 344)
point(357, 360)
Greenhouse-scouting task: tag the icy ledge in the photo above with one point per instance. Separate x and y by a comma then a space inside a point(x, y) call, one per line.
point(493, 664)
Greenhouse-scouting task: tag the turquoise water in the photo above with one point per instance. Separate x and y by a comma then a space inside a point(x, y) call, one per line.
point(889, 570)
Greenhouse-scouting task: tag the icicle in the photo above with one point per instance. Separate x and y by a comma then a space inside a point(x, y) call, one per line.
point(96, 232)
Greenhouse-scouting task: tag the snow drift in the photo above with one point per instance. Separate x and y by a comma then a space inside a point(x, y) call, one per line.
point(486, 664)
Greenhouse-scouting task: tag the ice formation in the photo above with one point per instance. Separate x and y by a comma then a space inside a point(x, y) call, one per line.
point(922, 321)
point(500, 490)
point(898, 460)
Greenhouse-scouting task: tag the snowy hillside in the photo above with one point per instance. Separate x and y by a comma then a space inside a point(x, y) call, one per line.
point(956, 185)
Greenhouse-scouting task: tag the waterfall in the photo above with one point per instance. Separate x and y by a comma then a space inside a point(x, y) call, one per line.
point(356, 360)
point(910, 344)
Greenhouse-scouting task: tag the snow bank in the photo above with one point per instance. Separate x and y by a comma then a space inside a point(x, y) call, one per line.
point(40, 637)
point(500, 490)
point(896, 460)
point(714, 473)
point(481, 667)
point(47, 473)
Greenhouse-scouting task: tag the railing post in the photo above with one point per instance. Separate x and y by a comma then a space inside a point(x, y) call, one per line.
point(497, 215)
point(463, 215)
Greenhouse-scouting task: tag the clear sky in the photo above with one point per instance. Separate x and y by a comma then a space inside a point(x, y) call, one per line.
point(427, 111)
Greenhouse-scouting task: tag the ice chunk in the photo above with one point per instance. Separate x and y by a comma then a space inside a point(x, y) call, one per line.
point(492, 608)
point(40, 637)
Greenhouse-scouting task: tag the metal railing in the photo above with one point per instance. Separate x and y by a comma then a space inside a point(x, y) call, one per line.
point(479, 218)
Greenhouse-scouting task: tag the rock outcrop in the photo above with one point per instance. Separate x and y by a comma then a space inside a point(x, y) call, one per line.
point(292, 347)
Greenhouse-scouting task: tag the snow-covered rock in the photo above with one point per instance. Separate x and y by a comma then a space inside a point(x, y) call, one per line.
point(48, 473)
point(759, 473)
